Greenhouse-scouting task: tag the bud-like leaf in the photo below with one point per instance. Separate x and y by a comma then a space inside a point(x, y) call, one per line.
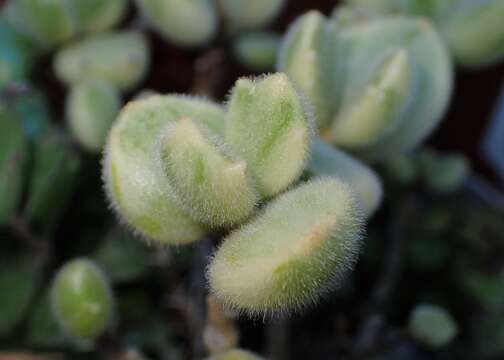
point(82, 299)
point(377, 110)
point(257, 50)
point(120, 58)
point(389, 78)
point(329, 161)
point(92, 106)
point(284, 260)
point(210, 184)
point(305, 57)
point(136, 184)
point(250, 14)
point(185, 22)
point(269, 127)
point(98, 15)
point(432, 326)
point(47, 22)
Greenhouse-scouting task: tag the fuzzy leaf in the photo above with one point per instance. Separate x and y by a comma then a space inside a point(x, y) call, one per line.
point(210, 184)
point(135, 182)
point(185, 22)
point(299, 248)
point(120, 58)
point(91, 108)
point(268, 126)
point(329, 161)
point(377, 110)
point(304, 56)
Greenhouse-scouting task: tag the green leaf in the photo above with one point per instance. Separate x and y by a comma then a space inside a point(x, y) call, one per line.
point(122, 256)
point(13, 158)
point(19, 280)
point(43, 329)
point(52, 182)
point(268, 126)
point(210, 184)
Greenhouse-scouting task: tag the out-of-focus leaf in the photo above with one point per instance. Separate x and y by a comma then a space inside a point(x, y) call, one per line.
point(43, 330)
point(33, 109)
point(52, 182)
point(123, 257)
point(427, 252)
point(19, 280)
point(13, 156)
point(488, 290)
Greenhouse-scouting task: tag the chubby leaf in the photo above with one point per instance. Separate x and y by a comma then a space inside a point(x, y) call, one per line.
point(185, 22)
point(250, 14)
point(13, 159)
point(82, 299)
point(376, 111)
point(134, 178)
point(305, 57)
point(209, 183)
point(329, 161)
point(269, 127)
point(432, 326)
point(257, 50)
point(98, 15)
point(121, 58)
point(293, 253)
point(91, 108)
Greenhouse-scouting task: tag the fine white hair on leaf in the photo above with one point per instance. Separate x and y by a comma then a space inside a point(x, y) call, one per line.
point(299, 248)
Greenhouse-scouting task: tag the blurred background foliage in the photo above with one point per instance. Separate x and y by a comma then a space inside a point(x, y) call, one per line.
point(435, 241)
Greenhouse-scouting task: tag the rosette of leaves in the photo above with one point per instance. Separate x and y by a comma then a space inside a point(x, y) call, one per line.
point(379, 85)
point(177, 167)
point(473, 30)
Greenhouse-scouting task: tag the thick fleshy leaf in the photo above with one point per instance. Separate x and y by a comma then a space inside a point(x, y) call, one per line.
point(329, 161)
point(13, 159)
point(210, 184)
point(82, 299)
point(377, 111)
point(121, 58)
point(257, 50)
point(52, 181)
point(135, 183)
point(98, 15)
point(269, 127)
point(304, 56)
point(92, 106)
point(185, 22)
point(432, 326)
point(47, 22)
point(19, 280)
point(294, 252)
point(250, 14)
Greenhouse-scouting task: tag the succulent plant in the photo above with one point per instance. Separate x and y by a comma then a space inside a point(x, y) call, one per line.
point(185, 22)
point(82, 299)
point(257, 50)
point(294, 251)
point(473, 30)
point(91, 108)
point(432, 326)
point(120, 58)
point(250, 14)
point(175, 165)
point(379, 85)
